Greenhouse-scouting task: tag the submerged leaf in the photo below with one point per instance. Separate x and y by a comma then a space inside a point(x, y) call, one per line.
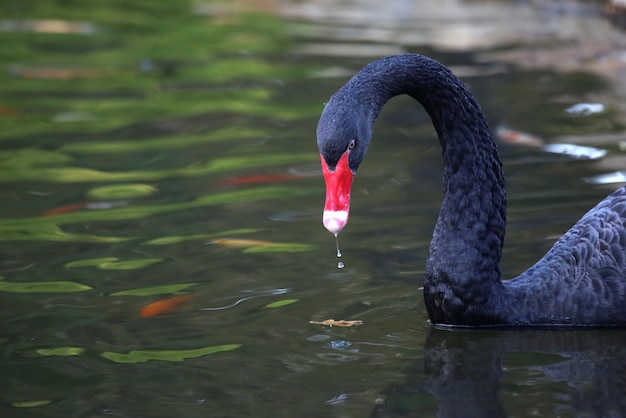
point(31, 404)
point(259, 246)
point(61, 351)
point(140, 356)
point(281, 303)
point(280, 247)
point(156, 290)
point(241, 243)
point(176, 239)
point(182, 238)
point(121, 191)
point(90, 262)
point(42, 287)
point(112, 263)
point(129, 264)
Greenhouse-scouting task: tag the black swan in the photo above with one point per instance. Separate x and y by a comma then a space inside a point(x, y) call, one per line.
point(581, 281)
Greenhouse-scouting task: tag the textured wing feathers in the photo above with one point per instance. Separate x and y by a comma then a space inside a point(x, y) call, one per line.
point(582, 279)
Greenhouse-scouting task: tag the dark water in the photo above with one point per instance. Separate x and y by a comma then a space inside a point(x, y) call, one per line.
point(158, 149)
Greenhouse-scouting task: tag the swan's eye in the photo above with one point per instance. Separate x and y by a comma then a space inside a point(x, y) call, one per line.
point(352, 144)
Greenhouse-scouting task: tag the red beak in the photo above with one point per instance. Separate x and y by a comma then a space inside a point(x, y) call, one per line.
point(338, 186)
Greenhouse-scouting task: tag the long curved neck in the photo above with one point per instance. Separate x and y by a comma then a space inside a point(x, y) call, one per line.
point(463, 272)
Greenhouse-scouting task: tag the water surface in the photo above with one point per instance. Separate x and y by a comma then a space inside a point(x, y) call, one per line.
point(154, 150)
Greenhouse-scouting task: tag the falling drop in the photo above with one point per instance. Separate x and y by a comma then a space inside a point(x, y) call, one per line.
point(337, 244)
point(340, 264)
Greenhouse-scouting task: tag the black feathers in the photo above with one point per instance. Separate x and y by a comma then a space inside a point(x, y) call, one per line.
point(581, 281)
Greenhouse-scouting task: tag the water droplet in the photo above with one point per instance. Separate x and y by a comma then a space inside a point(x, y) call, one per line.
point(340, 264)
point(337, 244)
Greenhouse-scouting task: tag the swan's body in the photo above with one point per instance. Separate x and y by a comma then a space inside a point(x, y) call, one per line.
point(581, 281)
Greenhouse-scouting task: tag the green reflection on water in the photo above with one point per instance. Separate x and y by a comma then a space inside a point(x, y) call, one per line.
point(25, 165)
point(98, 147)
point(47, 228)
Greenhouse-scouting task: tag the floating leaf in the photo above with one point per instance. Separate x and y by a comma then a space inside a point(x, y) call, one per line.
point(43, 287)
point(61, 351)
point(31, 404)
point(281, 303)
point(141, 356)
point(121, 191)
point(156, 290)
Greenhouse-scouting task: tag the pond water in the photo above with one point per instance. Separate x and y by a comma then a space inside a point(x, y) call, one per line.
point(163, 252)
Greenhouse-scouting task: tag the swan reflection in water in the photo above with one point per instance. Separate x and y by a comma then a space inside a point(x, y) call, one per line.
point(500, 373)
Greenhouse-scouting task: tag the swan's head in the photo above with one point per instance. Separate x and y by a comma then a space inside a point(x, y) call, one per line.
point(343, 134)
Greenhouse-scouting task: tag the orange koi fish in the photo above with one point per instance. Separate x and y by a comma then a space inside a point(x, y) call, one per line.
point(164, 306)
point(517, 137)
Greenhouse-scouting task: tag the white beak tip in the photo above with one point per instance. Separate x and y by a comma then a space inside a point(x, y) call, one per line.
point(335, 221)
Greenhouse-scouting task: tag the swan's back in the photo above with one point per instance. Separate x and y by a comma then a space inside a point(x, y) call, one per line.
point(582, 279)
